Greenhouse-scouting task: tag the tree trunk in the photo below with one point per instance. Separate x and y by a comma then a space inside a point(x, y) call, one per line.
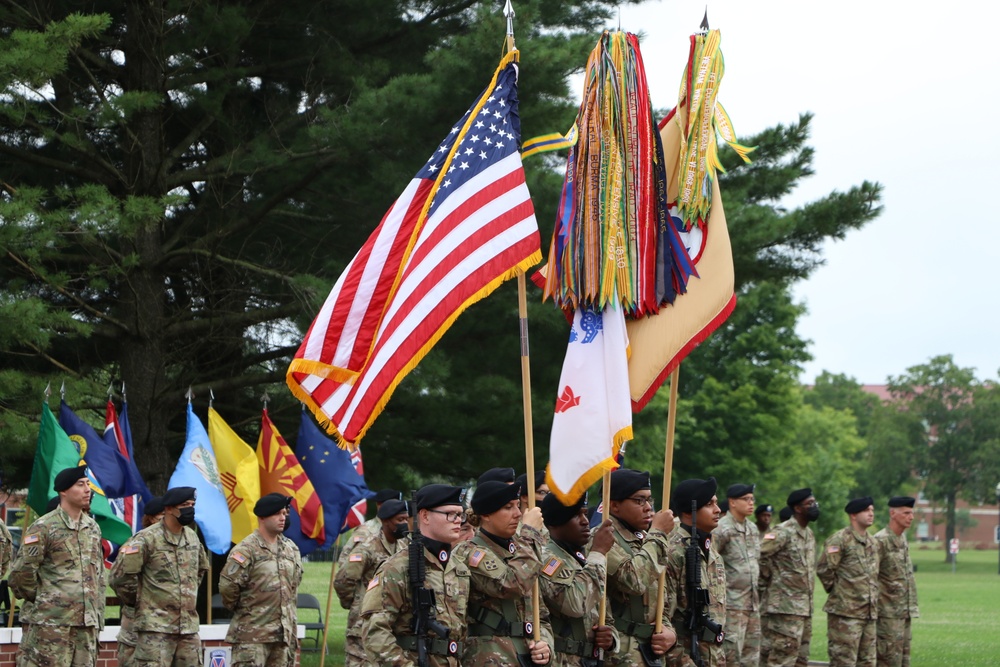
point(949, 527)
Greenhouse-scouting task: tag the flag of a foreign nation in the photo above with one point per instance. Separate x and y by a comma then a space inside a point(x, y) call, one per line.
point(461, 227)
point(593, 415)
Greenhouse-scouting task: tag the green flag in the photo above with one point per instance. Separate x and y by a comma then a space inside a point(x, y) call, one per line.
point(56, 452)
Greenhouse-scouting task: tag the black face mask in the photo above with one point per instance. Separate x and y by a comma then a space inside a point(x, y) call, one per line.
point(812, 513)
point(400, 531)
point(186, 516)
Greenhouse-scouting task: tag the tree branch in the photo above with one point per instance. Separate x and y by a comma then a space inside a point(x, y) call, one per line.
point(191, 327)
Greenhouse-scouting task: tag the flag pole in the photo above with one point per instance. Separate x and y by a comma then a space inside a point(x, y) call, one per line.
point(208, 595)
point(668, 466)
point(529, 441)
point(602, 611)
point(329, 601)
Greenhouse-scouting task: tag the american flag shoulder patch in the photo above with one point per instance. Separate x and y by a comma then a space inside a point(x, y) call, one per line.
point(355, 558)
point(358, 538)
point(131, 549)
point(769, 536)
point(238, 557)
point(832, 549)
point(476, 557)
point(374, 582)
point(551, 566)
point(31, 539)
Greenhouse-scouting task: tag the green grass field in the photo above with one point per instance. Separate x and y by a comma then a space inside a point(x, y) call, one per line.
point(959, 622)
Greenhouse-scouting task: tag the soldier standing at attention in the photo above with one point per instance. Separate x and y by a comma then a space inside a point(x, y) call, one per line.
point(158, 574)
point(60, 571)
point(572, 583)
point(848, 569)
point(762, 517)
point(370, 527)
point(700, 493)
point(388, 609)
point(541, 489)
point(152, 512)
point(634, 565)
point(897, 591)
point(788, 575)
point(6, 549)
point(260, 584)
point(737, 541)
point(503, 575)
point(352, 579)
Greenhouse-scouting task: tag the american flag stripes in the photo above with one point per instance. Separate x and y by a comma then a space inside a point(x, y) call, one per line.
point(462, 226)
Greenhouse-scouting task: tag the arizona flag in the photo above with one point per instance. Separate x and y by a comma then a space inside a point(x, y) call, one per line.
point(281, 472)
point(593, 416)
point(463, 225)
point(238, 472)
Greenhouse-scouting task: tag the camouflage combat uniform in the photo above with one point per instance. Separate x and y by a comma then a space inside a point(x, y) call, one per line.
point(260, 583)
point(59, 570)
point(126, 631)
point(713, 578)
point(572, 587)
point(897, 600)
point(387, 610)
point(350, 583)
point(635, 562)
point(848, 569)
point(739, 545)
point(6, 549)
point(159, 574)
point(500, 612)
point(787, 577)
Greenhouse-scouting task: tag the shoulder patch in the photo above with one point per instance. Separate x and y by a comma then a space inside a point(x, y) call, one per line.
point(374, 582)
point(769, 536)
point(832, 549)
point(131, 549)
point(551, 566)
point(358, 538)
point(238, 557)
point(476, 557)
point(31, 539)
point(355, 558)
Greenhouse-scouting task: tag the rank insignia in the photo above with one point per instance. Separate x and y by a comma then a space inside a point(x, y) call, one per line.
point(551, 566)
point(476, 557)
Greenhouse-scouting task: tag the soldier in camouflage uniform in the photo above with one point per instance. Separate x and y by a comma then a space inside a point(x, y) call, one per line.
point(787, 577)
point(737, 541)
point(572, 584)
point(352, 579)
point(372, 526)
point(762, 517)
point(387, 610)
point(848, 569)
point(159, 574)
point(260, 584)
point(59, 570)
point(504, 571)
point(713, 573)
point(897, 590)
point(6, 549)
point(635, 562)
point(152, 512)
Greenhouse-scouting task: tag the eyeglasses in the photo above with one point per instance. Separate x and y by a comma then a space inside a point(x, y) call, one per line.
point(640, 501)
point(450, 517)
point(541, 493)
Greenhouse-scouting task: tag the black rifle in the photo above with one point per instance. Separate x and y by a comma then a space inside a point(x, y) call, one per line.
point(423, 600)
point(700, 625)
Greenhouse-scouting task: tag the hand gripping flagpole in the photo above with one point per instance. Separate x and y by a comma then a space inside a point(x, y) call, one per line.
point(522, 313)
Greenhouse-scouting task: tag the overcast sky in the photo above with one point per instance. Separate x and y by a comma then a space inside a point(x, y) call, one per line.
point(905, 94)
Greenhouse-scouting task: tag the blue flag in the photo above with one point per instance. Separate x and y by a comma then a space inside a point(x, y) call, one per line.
point(107, 465)
point(198, 468)
point(333, 476)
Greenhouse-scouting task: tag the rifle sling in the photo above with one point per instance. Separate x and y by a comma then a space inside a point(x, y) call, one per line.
point(434, 645)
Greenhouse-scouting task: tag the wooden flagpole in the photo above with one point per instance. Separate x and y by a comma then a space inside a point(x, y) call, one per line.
point(329, 601)
point(668, 466)
point(529, 441)
point(602, 611)
point(208, 594)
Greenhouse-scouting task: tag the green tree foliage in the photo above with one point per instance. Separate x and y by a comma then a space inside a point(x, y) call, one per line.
point(959, 413)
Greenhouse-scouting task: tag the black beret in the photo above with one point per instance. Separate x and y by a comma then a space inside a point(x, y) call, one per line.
point(505, 475)
point(52, 504)
point(271, 504)
point(739, 490)
point(491, 496)
point(554, 513)
point(763, 508)
point(724, 506)
point(68, 477)
point(902, 501)
point(625, 482)
point(522, 481)
point(785, 514)
point(435, 495)
point(178, 495)
point(387, 494)
point(699, 491)
point(391, 508)
point(153, 506)
point(796, 497)
point(858, 505)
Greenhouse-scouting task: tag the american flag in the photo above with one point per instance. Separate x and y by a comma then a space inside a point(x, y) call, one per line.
point(463, 225)
point(356, 515)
